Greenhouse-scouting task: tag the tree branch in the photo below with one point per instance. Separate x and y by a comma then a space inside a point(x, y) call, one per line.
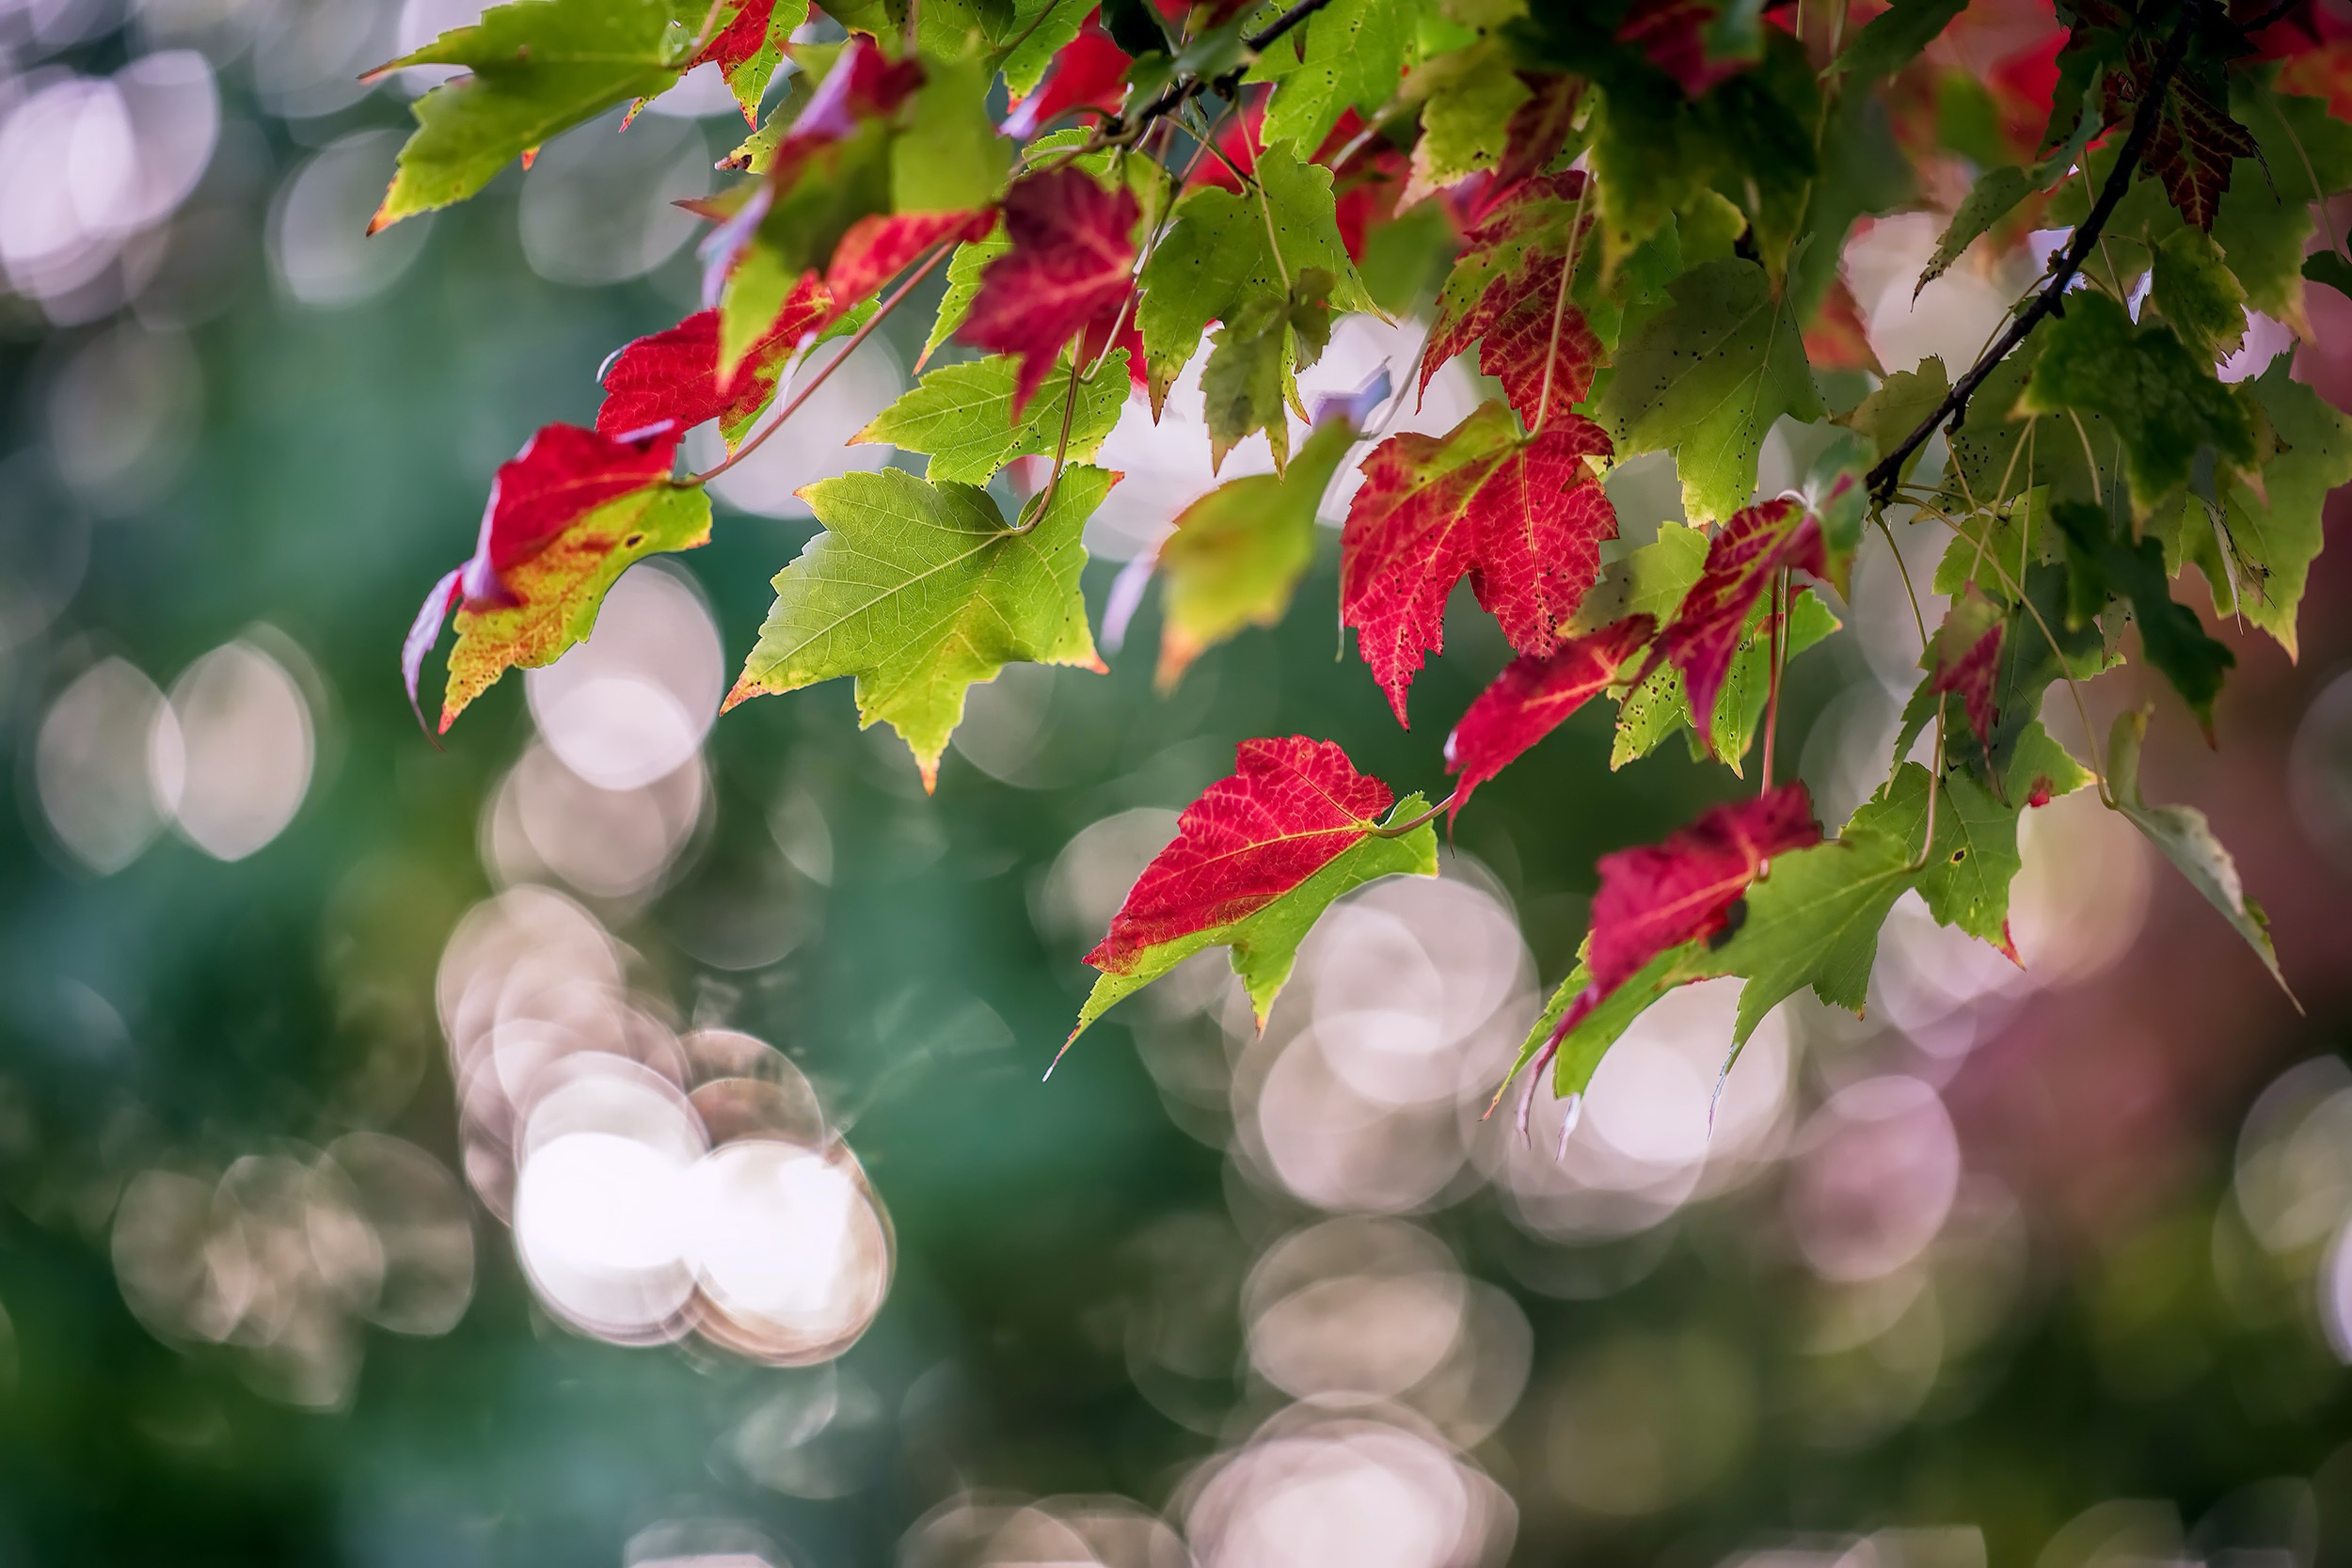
point(1176, 94)
point(1883, 478)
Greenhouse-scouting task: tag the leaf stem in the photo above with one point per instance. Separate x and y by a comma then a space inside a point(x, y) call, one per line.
point(1881, 478)
point(1061, 450)
point(1398, 829)
point(1560, 306)
point(882, 312)
point(1176, 94)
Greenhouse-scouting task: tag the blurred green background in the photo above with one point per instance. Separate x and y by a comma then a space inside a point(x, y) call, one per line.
point(620, 1138)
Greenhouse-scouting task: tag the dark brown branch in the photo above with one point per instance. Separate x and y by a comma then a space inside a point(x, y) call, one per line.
point(1883, 479)
point(1174, 96)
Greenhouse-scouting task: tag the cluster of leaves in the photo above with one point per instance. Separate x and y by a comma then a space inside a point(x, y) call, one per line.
point(1644, 203)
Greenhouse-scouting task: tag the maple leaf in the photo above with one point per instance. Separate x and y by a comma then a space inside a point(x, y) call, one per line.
point(1538, 132)
point(1713, 619)
point(1964, 656)
point(1521, 515)
point(919, 591)
point(1235, 557)
point(1089, 73)
point(750, 47)
point(863, 84)
point(1657, 897)
point(1256, 859)
point(668, 381)
point(1706, 378)
point(1533, 696)
point(1068, 274)
point(1355, 54)
point(1510, 286)
point(1253, 361)
point(2196, 138)
point(2274, 531)
point(962, 416)
point(565, 517)
point(534, 69)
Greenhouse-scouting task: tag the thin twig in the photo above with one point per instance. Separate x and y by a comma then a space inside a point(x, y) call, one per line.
point(881, 313)
point(1062, 449)
point(1774, 657)
point(1398, 829)
point(1176, 94)
point(1881, 478)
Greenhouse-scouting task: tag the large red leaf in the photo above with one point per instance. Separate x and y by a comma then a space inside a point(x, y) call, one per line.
point(1091, 72)
point(1661, 895)
point(561, 474)
point(1532, 696)
point(1522, 516)
point(1289, 807)
point(1713, 620)
point(1070, 271)
point(668, 381)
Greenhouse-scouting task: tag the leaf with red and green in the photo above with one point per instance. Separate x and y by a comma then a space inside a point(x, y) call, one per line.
point(1522, 516)
point(1069, 273)
point(565, 516)
point(1509, 292)
point(1089, 74)
point(877, 248)
point(1657, 897)
point(1677, 37)
point(1741, 560)
point(1533, 696)
point(1255, 862)
point(749, 46)
point(667, 383)
point(1964, 656)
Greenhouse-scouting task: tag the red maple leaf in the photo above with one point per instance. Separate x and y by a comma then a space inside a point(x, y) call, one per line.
point(863, 84)
point(1091, 72)
point(1658, 896)
point(878, 247)
point(1837, 339)
point(1741, 560)
point(1537, 133)
point(1071, 270)
point(1508, 291)
point(1522, 516)
point(669, 381)
point(1672, 33)
point(561, 474)
point(1290, 808)
point(1530, 699)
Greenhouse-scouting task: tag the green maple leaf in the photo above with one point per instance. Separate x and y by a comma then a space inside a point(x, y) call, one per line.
point(2160, 402)
point(1221, 252)
point(2187, 839)
point(1583, 1046)
point(1995, 194)
point(1253, 363)
point(1649, 581)
point(1894, 409)
point(1036, 32)
point(1704, 379)
point(557, 592)
point(1237, 553)
point(1264, 942)
point(1356, 51)
point(963, 284)
point(2101, 562)
point(1468, 97)
point(919, 591)
point(962, 416)
point(2275, 532)
point(1894, 38)
point(1966, 884)
point(537, 68)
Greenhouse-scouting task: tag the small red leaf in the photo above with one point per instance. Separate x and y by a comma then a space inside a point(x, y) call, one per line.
point(880, 246)
point(1964, 655)
point(1522, 516)
point(561, 474)
point(1091, 72)
point(1672, 33)
point(734, 46)
point(669, 381)
point(1290, 808)
point(1707, 630)
point(1071, 269)
point(1531, 697)
point(1538, 131)
point(1661, 895)
point(1540, 346)
point(1519, 253)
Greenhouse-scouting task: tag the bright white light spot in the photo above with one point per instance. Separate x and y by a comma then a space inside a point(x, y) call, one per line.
point(1878, 1171)
point(596, 1223)
point(817, 446)
point(1344, 1495)
point(91, 765)
point(632, 703)
point(790, 1249)
point(246, 744)
point(600, 207)
point(320, 250)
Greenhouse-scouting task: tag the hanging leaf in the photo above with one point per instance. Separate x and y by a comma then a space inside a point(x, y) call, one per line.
point(2273, 531)
point(1965, 655)
point(1355, 51)
point(962, 416)
point(1089, 73)
point(1533, 697)
point(749, 46)
point(1509, 290)
point(921, 590)
point(1254, 360)
point(669, 382)
point(1235, 556)
point(1521, 515)
point(1256, 861)
point(2102, 561)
